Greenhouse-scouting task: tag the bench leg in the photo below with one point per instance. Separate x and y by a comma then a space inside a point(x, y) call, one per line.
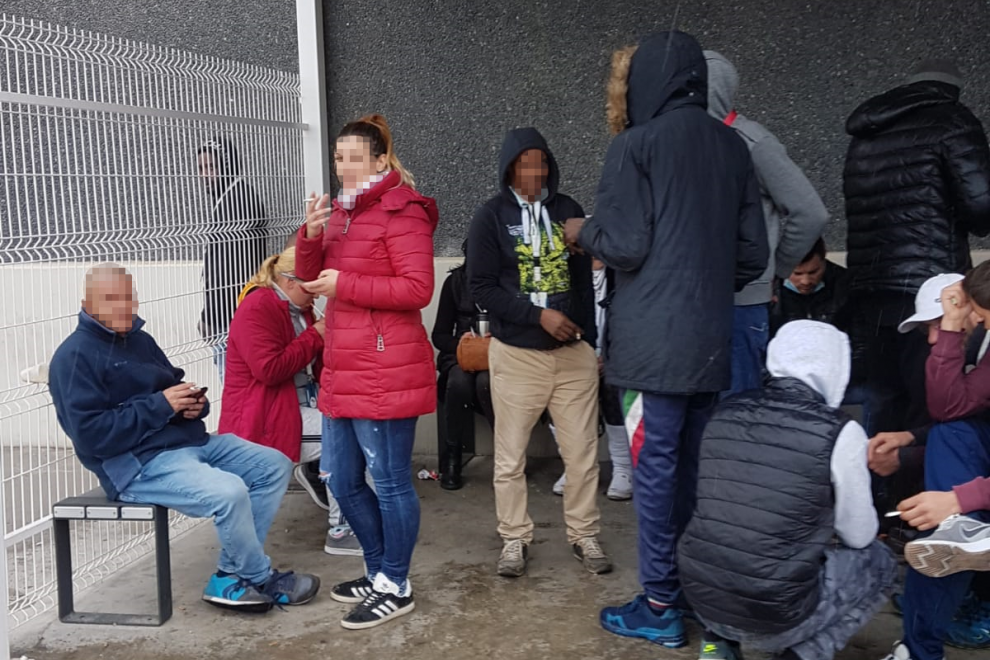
point(63, 567)
point(163, 579)
point(163, 565)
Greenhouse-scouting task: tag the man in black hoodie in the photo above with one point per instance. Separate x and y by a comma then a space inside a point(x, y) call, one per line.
point(235, 239)
point(678, 216)
point(916, 183)
point(540, 299)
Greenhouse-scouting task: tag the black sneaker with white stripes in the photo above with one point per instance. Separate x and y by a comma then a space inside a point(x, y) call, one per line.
point(352, 592)
point(377, 609)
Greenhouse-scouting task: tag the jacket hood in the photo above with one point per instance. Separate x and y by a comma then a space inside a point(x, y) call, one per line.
point(723, 83)
point(881, 111)
point(815, 353)
point(667, 71)
point(225, 159)
point(395, 196)
point(517, 141)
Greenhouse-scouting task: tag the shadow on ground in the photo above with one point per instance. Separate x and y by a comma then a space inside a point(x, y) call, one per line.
point(463, 609)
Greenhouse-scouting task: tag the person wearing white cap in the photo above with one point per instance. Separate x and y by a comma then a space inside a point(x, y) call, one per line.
point(891, 451)
point(942, 601)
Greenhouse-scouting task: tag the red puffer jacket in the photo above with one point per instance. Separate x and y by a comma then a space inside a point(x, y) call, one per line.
point(381, 362)
point(264, 354)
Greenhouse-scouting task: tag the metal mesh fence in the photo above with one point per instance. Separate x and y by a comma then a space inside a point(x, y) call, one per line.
point(185, 169)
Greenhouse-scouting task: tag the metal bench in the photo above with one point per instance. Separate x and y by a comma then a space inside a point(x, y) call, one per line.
point(94, 506)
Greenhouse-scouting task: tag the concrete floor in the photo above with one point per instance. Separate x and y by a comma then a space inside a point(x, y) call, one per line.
point(463, 609)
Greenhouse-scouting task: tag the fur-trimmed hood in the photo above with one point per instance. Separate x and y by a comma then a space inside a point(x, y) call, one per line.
point(666, 71)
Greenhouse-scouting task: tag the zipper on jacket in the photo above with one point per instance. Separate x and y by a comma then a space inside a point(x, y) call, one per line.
point(347, 225)
point(380, 344)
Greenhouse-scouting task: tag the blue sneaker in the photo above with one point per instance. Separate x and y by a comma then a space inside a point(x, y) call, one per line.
point(236, 593)
point(291, 588)
point(636, 619)
point(970, 628)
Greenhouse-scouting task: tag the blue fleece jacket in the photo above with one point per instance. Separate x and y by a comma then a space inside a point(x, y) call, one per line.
point(107, 390)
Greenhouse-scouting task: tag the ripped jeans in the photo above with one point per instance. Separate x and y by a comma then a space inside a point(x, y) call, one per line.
point(386, 523)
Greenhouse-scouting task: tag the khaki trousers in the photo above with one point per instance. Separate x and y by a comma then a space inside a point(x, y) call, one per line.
point(524, 383)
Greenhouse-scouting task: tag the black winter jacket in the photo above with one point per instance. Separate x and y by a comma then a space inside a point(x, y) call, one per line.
point(917, 182)
point(455, 316)
point(235, 244)
point(501, 265)
point(678, 216)
point(751, 556)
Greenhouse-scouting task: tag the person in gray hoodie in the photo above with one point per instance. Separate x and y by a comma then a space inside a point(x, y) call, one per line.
point(794, 213)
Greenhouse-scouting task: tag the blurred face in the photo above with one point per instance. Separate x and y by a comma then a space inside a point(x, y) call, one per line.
point(808, 275)
point(969, 325)
point(529, 174)
point(292, 288)
point(207, 168)
point(111, 300)
point(354, 163)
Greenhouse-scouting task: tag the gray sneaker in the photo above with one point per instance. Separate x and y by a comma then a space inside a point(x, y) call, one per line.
point(341, 541)
point(512, 561)
point(959, 544)
point(591, 555)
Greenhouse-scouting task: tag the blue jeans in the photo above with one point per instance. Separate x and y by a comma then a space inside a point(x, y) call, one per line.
point(386, 523)
point(750, 334)
point(957, 452)
point(237, 483)
point(665, 483)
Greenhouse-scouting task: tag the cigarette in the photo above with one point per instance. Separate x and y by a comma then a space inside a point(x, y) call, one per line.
point(892, 514)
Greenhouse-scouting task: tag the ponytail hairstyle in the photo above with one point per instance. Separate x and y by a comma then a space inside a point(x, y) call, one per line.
point(617, 90)
point(375, 130)
point(275, 265)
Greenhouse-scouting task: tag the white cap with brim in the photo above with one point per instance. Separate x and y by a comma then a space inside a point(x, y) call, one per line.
point(928, 302)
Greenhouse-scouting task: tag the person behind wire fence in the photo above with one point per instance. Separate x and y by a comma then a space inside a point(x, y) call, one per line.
point(235, 240)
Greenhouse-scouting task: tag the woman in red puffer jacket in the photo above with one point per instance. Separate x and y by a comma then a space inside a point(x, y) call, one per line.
point(371, 254)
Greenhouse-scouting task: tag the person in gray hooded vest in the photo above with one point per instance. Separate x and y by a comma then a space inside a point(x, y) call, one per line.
point(794, 213)
point(781, 553)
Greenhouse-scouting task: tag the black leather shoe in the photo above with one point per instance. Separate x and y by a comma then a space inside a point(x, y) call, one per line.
point(450, 477)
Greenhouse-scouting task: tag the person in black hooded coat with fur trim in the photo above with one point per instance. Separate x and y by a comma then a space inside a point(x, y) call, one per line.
point(678, 216)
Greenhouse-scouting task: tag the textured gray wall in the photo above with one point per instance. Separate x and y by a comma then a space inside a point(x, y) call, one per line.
point(453, 75)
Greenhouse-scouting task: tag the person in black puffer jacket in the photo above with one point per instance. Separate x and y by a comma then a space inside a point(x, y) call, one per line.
point(916, 183)
point(781, 552)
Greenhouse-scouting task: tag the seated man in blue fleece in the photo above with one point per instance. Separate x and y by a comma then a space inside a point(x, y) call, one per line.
point(139, 427)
